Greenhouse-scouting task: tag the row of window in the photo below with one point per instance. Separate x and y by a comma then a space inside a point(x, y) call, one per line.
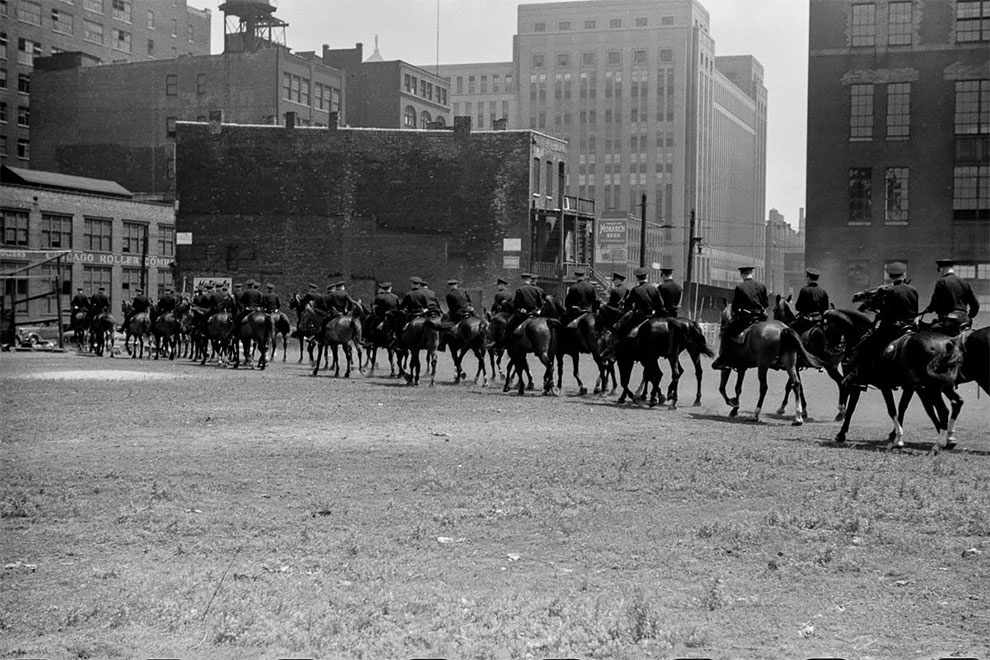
point(613, 117)
point(424, 89)
point(972, 23)
point(588, 88)
point(64, 22)
point(613, 23)
point(492, 111)
point(590, 58)
point(971, 116)
point(424, 119)
point(970, 194)
point(23, 148)
point(23, 115)
point(56, 233)
point(479, 84)
point(317, 95)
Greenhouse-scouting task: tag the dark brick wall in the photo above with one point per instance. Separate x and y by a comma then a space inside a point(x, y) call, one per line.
point(297, 205)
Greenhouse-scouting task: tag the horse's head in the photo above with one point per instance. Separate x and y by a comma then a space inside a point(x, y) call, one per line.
point(870, 299)
point(783, 310)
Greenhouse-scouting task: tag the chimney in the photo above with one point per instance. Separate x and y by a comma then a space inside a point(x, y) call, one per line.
point(462, 126)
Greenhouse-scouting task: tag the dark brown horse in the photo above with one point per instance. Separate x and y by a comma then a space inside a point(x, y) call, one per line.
point(167, 331)
point(79, 325)
point(217, 332)
point(307, 324)
point(379, 333)
point(764, 345)
point(422, 333)
point(468, 334)
point(814, 342)
point(101, 333)
point(280, 326)
point(254, 330)
point(495, 342)
point(924, 362)
point(536, 335)
point(138, 327)
point(343, 330)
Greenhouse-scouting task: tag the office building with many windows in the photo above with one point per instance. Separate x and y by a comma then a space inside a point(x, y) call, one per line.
point(899, 141)
point(486, 92)
point(105, 30)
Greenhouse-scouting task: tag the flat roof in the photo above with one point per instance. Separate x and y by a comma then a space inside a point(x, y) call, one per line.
point(58, 181)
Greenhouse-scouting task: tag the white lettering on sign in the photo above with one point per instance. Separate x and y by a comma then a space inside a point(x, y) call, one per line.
point(510, 261)
point(183, 238)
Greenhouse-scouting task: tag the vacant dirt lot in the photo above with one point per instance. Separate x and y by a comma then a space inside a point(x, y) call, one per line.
point(157, 509)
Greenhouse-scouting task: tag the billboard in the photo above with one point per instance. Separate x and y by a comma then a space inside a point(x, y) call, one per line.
point(613, 241)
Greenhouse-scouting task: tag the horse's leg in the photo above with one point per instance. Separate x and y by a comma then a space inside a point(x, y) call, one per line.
point(336, 360)
point(302, 344)
point(676, 370)
point(723, 381)
point(319, 356)
point(794, 379)
point(741, 374)
point(431, 361)
point(625, 373)
point(348, 357)
point(761, 374)
point(937, 411)
point(898, 432)
point(479, 354)
point(787, 393)
point(957, 404)
point(836, 376)
point(576, 357)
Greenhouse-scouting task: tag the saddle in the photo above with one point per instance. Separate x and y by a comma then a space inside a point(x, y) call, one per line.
point(519, 328)
point(635, 330)
point(578, 312)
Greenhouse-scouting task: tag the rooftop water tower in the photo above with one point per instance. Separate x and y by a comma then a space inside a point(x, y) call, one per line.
point(251, 25)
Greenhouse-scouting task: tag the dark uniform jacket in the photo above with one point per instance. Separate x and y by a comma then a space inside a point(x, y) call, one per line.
point(581, 295)
point(140, 304)
point(251, 298)
point(384, 303)
point(900, 303)
point(432, 301)
point(750, 296)
point(457, 301)
point(616, 295)
point(80, 301)
point(340, 302)
point(671, 292)
point(201, 299)
point(271, 302)
point(501, 300)
point(528, 298)
point(953, 294)
point(812, 299)
point(415, 301)
point(166, 304)
point(99, 302)
point(643, 298)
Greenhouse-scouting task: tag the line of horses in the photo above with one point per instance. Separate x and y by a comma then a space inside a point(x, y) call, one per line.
point(925, 363)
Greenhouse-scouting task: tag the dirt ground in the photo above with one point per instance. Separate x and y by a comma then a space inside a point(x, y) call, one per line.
point(155, 507)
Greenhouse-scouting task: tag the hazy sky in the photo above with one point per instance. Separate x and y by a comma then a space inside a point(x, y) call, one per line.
point(774, 31)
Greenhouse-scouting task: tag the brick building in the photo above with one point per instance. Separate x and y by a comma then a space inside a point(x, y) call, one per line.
point(104, 30)
point(99, 227)
point(366, 205)
point(899, 142)
point(117, 121)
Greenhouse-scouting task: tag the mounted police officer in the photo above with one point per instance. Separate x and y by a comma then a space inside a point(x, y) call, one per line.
point(670, 291)
point(618, 291)
point(579, 299)
point(640, 303)
point(80, 303)
point(168, 302)
point(251, 300)
point(416, 301)
point(811, 303)
point(270, 300)
point(952, 300)
point(502, 302)
point(140, 304)
point(526, 301)
point(385, 301)
point(897, 315)
point(98, 303)
point(749, 305)
point(458, 302)
point(432, 300)
point(339, 301)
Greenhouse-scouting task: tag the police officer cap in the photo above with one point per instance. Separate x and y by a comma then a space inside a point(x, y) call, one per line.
point(746, 269)
point(270, 286)
point(329, 287)
point(385, 285)
point(666, 271)
point(416, 280)
point(526, 276)
point(813, 273)
point(944, 263)
point(579, 273)
point(169, 289)
point(641, 273)
point(312, 286)
point(340, 283)
point(102, 288)
point(138, 290)
point(897, 268)
point(248, 283)
point(618, 276)
point(452, 282)
point(501, 280)
point(211, 285)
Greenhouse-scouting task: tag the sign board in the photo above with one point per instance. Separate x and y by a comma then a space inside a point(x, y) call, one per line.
point(510, 261)
point(183, 238)
point(612, 244)
point(97, 258)
point(511, 244)
point(215, 281)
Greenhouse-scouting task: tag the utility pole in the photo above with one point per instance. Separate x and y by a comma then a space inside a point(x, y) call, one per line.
point(690, 258)
point(642, 232)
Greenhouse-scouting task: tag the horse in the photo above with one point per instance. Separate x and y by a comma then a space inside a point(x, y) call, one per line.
point(138, 327)
point(101, 333)
point(307, 324)
point(536, 335)
point(976, 358)
point(167, 331)
point(421, 333)
point(340, 330)
point(217, 332)
point(280, 326)
point(378, 334)
point(468, 334)
point(579, 336)
point(256, 328)
point(495, 342)
point(924, 362)
point(814, 342)
point(765, 345)
point(79, 323)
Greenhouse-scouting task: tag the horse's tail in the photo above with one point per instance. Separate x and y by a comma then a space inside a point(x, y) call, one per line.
point(791, 341)
point(945, 364)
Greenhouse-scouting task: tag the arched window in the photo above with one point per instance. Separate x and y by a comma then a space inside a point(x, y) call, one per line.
point(424, 119)
point(409, 117)
point(441, 121)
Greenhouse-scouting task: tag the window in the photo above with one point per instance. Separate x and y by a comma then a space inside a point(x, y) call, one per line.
point(304, 87)
point(860, 195)
point(23, 116)
point(121, 40)
point(24, 83)
point(666, 20)
point(27, 50)
point(898, 110)
point(50, 274)
point(151, 47)
point(132, 241)
point(16, 288)
point(861, 112)
point(130, 281)
point(14, 227)
point(588, 59)
point(56, 231)
point(641, 22)
point(666, 55)
point(539, 27)
point(3, 146)
point(3, 78)
point(639, 57)
point(409, 117)
point(122, 10)
point(863, 31)
point(972, 115)
point(95, 277)
point(614, 57)
point(97, 233)
point(899, 23)
point(615, 22)
point(591, 25)
point(564, 26)
point(563, 60)
point(460, 84)
point(190, 33)
point(24, 149)
point(971, 192)
point(165, 280)
point(93, 32)
point(166, 240)
point(3, 112)
point(151, 19)
point(170, 128)
point(972, 20)
point(896, 197)
point(29, 12)
point(539, 61)
point(172, 84)
point(424, 119)
point(93, 5)
point(175, 27)
point(61, 21)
